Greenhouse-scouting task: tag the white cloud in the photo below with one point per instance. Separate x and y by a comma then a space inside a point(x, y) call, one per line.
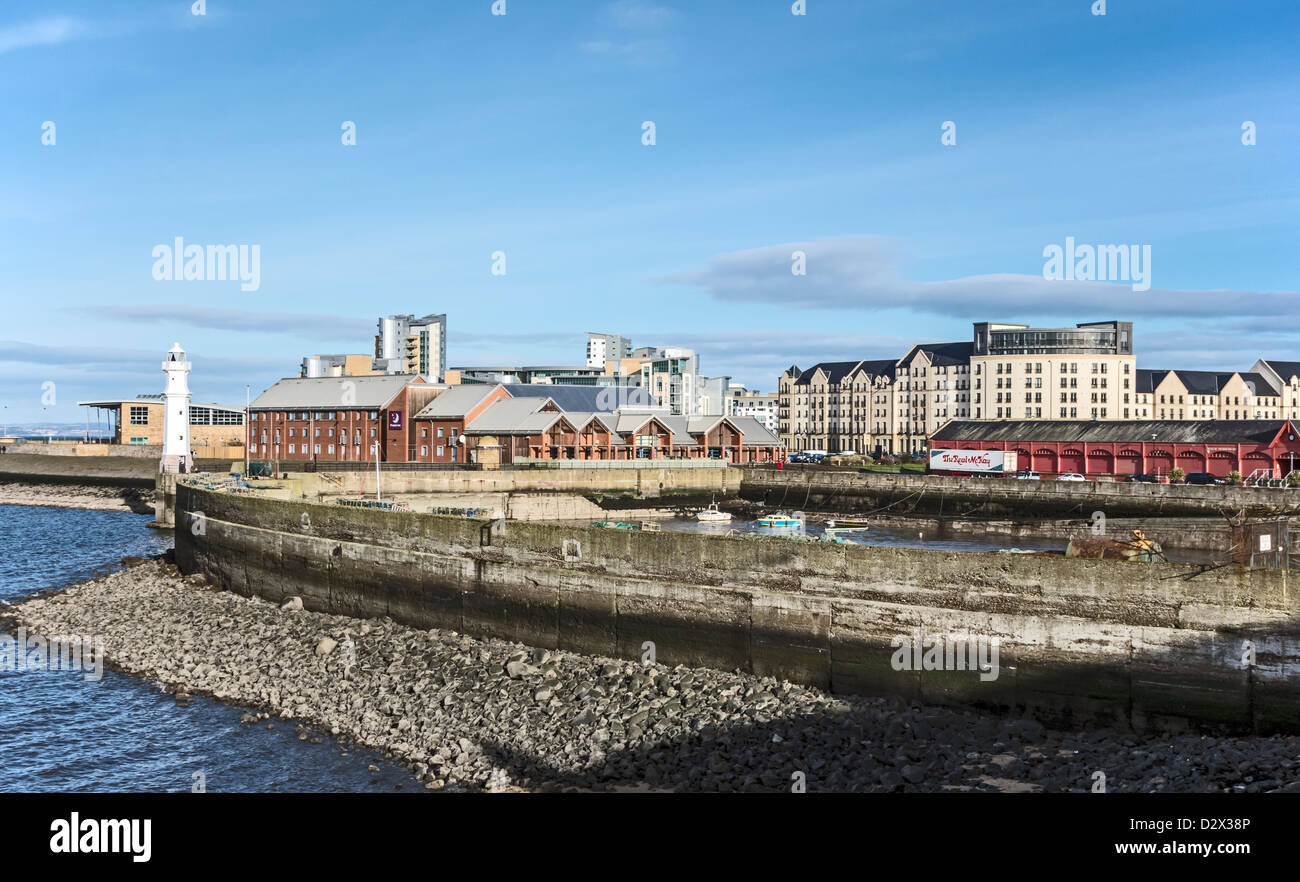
point(44, 32)
point(638, 15)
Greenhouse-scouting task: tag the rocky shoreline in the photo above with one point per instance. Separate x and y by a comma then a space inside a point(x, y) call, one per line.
point(93, 498)
point(480, 714)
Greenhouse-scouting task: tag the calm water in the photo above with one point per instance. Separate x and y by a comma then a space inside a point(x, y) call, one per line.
point(61, 732)
point(909, 537)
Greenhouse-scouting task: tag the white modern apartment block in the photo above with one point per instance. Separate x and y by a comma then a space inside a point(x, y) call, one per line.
point(405, 344)
point(606, 347)
point(742, 402)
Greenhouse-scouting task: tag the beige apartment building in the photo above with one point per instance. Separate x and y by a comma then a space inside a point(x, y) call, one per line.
point(1210, 395)
point(836, 406)
point(1014, 372)
point(932, 385)
point(1284, 378)
point(1087, 372)
point(875, 406)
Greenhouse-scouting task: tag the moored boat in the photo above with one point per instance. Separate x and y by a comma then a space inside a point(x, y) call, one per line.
point(780, 519)
point(712, 514)
point(847, 524)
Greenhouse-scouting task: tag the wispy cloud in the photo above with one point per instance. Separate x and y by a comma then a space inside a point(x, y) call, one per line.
point(308, 325)
point(42, 32)
point(638, 15)
point(863, 272)
point(636, 33)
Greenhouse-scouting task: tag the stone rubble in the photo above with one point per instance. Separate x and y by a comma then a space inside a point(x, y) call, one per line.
point(467, 713)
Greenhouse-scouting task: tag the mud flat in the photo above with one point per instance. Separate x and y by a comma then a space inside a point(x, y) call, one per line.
point(469, 714)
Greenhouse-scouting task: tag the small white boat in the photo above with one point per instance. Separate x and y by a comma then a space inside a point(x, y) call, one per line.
point(712, 514)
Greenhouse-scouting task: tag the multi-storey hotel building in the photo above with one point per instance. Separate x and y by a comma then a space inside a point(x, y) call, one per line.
point(1086, 372)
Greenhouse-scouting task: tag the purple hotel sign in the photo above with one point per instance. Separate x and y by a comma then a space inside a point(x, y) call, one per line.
point(395, 420)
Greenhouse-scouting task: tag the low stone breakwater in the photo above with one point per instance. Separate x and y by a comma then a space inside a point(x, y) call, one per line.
point(470, 714)
point(83, 496)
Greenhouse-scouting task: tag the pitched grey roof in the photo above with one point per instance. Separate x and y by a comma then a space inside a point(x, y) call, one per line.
point(1148, 380)
point(1204, 382)
point(1119, 431)
point(753, 433)
point(455, 402)
point(580, 398)
point(943, 353)
point(834, 370)
point(580, 419)
point(883, 367)
point(1260, 384)
point(513, 416)
point(1285, 369)
point(333, 393)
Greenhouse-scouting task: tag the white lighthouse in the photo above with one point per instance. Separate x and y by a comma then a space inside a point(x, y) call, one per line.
point(176, 413)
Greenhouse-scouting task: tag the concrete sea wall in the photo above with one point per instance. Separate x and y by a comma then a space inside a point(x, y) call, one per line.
point(633, 481)
point(1151, 644)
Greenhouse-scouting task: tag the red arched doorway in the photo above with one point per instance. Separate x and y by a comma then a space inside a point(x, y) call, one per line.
point(1128, 462)
point(1071, 461)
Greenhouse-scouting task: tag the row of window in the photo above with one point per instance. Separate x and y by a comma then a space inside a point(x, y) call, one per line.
point(138, 415)
point(326, 415)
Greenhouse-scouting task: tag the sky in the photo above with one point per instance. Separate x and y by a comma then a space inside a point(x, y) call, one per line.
point(921, 155)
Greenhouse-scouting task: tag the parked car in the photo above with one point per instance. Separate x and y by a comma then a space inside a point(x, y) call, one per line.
point(797, 457)
point(1141, 479)
point(1201, 478)
point(1026, 475)
point(1071, 476)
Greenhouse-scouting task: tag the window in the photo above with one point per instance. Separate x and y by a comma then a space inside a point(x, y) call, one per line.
point(331, 448)
point(440, 449)
point(139, 416)
point(291, 448)
point(440, 431)
point(139, 440)
point(424, 450)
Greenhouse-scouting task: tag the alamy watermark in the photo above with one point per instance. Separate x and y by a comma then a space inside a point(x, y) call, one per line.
point(1101, 263)
point(61, 653)
point(179, 262)
point(919, 651)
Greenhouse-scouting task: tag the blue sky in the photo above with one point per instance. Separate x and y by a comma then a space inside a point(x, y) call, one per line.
point(522, 133)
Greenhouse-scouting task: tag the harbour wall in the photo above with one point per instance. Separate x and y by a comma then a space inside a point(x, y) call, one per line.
point(827, 489)
point(642, 482)
point(1155, 645)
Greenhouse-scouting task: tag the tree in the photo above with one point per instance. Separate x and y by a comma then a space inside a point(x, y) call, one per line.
point(1176, 476)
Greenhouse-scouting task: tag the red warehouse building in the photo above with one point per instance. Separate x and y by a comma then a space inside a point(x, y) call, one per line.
point(337, 419)
point(1152, 447)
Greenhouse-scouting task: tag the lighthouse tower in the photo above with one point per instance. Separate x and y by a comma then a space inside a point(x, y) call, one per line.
point(176, 413)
